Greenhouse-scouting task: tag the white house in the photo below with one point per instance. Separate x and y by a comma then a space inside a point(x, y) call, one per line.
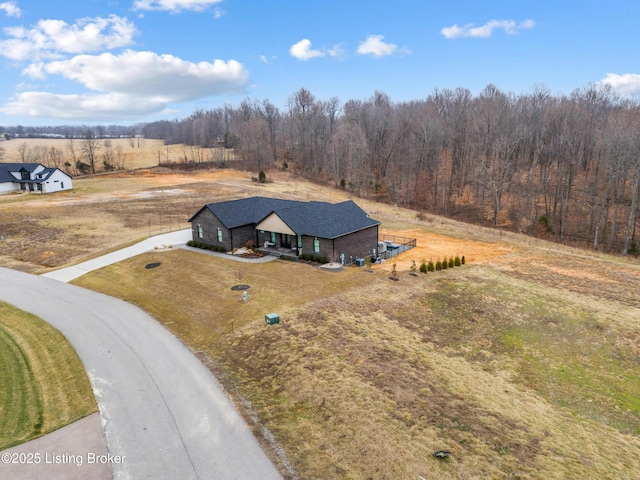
point(32, 177)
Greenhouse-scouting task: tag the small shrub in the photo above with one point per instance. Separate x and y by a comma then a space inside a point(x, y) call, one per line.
point(451, 262)
point(423, 266)
point(544, 225)
point(633, 248)
point(343, 183)
point(414, 267)
point(438, 265)
point(445, 263)
point(262, 177)
point(394, 272)
point(285, 165)
point(367, 262)
point(456, 261)
point(431, 266)
point(462, 260)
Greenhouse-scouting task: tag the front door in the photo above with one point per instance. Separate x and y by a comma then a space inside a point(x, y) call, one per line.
point(285, 240)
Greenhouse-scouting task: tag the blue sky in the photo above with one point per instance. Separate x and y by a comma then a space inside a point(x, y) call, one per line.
point(128, 61)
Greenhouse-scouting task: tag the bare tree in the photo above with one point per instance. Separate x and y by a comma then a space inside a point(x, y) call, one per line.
point(90, 147)
point(55, 157)
point(107, 155)
point(119, 157)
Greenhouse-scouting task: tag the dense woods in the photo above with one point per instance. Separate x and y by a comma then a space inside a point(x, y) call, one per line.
point(561, 166)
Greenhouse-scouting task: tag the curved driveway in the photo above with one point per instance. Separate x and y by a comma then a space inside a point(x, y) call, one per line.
point(160, 407)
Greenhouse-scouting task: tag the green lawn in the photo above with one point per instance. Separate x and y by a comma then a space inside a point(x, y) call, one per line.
point(43, 384)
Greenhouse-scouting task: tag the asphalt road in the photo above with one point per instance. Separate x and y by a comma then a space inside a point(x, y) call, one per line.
point(161, 408)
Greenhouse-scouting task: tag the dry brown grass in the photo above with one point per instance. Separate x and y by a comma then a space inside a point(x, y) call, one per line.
point(523, 363)
point(366, 378)
point(135, 153)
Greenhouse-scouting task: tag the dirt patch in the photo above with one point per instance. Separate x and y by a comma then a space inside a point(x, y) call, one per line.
point(435, 246)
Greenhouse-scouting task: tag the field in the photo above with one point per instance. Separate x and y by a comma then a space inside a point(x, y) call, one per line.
point(523, 363)
point(133, 152)
point(43, 386)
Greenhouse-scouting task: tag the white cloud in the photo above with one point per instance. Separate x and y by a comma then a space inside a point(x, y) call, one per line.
point(218, 13)
point(374, 45)
point(627, 85)
point(128, 85)
point(336, 51)
point(53, 38)
point(148, 74)
point(174, 6)
point(267, 60)
point(100, 107)
point(469, 30)
point(302, 50)
point(10, 9)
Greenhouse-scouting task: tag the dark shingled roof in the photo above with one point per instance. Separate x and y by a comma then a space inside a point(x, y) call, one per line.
point(316, 219)
point(326, 220)
point(5, 168)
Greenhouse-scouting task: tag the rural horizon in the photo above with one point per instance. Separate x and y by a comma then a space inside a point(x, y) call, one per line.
point(564, 167)
point(320, 240)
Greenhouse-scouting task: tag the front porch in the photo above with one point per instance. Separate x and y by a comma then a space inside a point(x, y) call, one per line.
point(269, 249)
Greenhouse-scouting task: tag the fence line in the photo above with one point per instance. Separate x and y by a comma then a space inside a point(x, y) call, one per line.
point(398, 244)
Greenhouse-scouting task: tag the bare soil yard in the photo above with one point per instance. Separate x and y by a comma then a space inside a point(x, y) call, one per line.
point(523, 363)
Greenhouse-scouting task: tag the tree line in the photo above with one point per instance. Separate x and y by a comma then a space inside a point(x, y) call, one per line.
point(566, 166)
point(83, 153)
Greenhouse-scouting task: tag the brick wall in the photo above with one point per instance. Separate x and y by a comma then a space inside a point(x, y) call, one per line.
point(357, 244)
point(354, 245)
point(210, 224)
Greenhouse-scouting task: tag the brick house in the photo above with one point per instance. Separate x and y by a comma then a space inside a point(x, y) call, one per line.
point(335, 231)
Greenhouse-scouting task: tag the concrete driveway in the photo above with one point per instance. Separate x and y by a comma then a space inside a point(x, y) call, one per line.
point(179, 237)
point(162, 411)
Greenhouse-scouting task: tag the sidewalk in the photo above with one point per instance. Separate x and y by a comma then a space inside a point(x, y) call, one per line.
point(65, 275)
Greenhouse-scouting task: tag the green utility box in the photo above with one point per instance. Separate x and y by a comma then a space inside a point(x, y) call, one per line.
point(272, 318)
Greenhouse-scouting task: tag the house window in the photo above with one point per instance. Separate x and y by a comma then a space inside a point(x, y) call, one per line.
point(273, 237)
point(61, 184)
point(316, 245)
point(199, 231)
point(219, 235)
point(299, 241)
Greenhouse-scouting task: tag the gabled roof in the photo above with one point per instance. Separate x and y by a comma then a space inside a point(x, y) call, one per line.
point(246, 211)
point(6, 168)
point(316, 219)
point(45, 174)
point(326, 220)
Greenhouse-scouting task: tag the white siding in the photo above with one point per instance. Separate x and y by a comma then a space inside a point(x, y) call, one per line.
point(9, 187)
point(56, 182)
